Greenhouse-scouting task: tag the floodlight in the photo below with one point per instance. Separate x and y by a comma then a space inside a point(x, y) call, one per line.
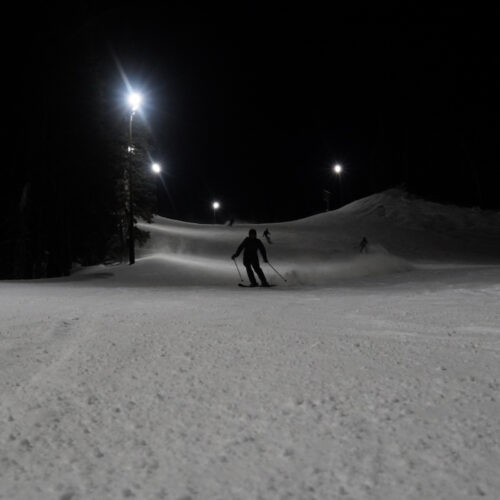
point(134, 100)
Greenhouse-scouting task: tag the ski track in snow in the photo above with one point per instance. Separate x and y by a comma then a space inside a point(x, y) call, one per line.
point(339, 392)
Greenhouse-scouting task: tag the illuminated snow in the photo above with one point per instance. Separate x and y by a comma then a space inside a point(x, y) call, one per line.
point(361, 377)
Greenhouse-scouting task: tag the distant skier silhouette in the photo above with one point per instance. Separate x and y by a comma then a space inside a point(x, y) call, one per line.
point(250, 245)
point(363, 245)
point(267, 235)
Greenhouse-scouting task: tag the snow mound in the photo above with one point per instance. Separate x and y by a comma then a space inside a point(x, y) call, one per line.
point(318, 250)
point(358, 266)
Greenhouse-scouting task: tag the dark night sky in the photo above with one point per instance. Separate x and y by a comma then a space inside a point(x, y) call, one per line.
point(252, 105)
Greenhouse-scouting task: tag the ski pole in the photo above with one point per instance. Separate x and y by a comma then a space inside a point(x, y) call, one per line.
point(276, 271)
point(237, 268)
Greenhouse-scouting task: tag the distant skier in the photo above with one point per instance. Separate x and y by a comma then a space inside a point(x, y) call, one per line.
point(249, 246)
point(267, 235)
point(363, 245)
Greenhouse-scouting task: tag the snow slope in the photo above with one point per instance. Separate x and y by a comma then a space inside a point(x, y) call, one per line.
point(362, 377)
point(322, 249)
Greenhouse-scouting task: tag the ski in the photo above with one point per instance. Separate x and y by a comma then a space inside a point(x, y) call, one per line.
point(259, 286)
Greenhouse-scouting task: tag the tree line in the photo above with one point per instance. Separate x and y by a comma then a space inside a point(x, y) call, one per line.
point(62, 188)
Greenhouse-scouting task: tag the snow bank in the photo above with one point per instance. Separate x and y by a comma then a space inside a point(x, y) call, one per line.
point(359, 266)
point(319, 250)
point(322, 249)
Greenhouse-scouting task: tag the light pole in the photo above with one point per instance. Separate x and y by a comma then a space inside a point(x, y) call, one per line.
point(156, 169)
point(337, 169)
point(134, 100)
point(215, 206)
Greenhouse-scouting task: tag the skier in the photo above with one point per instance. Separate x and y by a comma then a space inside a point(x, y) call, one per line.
point(363, 245)
point(250, 245)
point(267, 235)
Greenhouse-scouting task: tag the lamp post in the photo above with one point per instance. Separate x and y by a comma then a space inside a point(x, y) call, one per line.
point(215, 206)
point(134, 100)
point(337, 169)
point(156, 169)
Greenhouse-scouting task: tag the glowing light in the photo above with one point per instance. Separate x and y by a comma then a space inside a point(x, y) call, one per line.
point(155, 167)
point(337, 168)
point(215, 205)
point(134, 100)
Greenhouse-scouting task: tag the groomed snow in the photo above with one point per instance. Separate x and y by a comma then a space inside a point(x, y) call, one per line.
point(363, 376)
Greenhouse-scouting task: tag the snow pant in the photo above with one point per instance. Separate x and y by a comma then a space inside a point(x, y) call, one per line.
point(255, 265)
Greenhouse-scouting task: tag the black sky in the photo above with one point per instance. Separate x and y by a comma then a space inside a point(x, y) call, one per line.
point(252, 104)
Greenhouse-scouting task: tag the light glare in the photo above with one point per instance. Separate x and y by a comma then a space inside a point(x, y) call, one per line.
point(134, 100)
point(337, 169)
point(155, 167)
point(215, 205)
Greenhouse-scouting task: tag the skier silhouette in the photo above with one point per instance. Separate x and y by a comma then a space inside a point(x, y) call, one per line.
point(267, 235)
point(250, 245)
point(363, 245)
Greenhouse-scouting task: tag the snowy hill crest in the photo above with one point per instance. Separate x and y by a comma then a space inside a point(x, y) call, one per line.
point(322, 249)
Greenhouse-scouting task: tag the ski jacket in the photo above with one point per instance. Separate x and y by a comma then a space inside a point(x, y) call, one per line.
point(250, 247)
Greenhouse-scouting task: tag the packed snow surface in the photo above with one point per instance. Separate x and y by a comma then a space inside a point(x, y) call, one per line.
point(363, 376)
